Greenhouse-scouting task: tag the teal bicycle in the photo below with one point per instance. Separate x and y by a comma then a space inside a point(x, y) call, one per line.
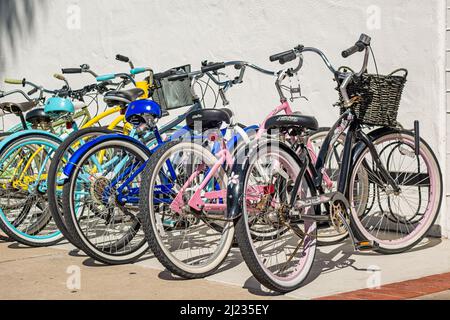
point(25, 157)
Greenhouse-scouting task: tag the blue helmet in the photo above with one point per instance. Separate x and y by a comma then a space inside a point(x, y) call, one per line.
point(138, 110)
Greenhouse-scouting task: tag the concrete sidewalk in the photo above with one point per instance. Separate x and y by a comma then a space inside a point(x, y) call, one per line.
point(41, 273)
point(45, 273)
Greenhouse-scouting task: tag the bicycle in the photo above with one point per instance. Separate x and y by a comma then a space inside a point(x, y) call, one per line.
point(184, 182)
point(31, 224)
point(116, 103)
point(17, 109)
point(282, 264)
point(104, 223)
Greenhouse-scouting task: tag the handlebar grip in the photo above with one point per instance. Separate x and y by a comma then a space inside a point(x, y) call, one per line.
point(213, 67)
point(14, 81)
point(288, 57)
point(137, 70)
point(59, 77)
point(178, 77)
point(71, 70)
point(32, 91)
point(122, 58)
point(352, 50)
point(105, 77)
point(165, 74)
point(278, 56)
point(360, 45)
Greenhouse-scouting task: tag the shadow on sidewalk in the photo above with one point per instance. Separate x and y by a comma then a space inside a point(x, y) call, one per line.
point(325, 262)
point(90, 262)
point(233, 259)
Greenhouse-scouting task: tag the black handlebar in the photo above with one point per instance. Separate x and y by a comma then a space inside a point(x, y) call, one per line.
point(178, 77)
point(71, 70)
point(204, 69)
point(280, 55)
point(360, 45)
point(165, 74)
point(122, 58)
point(32, 91)
point(286, 56)
point(80, 93)
point(352, 50)
point(213, 67)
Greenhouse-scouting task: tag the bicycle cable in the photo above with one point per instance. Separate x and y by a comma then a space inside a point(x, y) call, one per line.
point(374, 60)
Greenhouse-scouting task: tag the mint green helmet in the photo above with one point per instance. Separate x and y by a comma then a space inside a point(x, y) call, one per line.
point(57, 106)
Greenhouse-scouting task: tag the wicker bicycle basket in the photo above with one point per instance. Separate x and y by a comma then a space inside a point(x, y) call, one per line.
point(379, 98)
point(173, 94)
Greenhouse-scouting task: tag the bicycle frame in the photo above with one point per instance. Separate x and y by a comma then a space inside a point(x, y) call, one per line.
point(88, 122)
point(224, 158)
point(104, 114)
point(153, 140)
point(347, 121)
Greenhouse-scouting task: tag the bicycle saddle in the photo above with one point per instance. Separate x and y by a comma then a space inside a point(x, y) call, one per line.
point(122, 97)
point(17, 108)
point(208, 118)
point(290, 121)
point(228, 111)
point(37, 116)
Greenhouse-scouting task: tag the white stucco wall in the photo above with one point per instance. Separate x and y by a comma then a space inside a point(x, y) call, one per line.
point(162, 34)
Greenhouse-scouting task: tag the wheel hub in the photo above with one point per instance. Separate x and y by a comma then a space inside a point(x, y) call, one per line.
point(338, 208)
point(98, 188)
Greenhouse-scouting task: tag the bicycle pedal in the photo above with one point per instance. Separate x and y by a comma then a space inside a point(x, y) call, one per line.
point(366, 245)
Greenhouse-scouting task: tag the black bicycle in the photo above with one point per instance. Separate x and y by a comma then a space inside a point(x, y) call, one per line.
point(389, 188)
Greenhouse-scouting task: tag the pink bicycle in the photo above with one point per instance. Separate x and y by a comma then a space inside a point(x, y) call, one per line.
point(183, 190)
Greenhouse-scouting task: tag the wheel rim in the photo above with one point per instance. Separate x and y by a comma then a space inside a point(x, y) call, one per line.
point(108, 226)
point(182, 238)
point(283, 264)
point(25, 165)
point(394, 227)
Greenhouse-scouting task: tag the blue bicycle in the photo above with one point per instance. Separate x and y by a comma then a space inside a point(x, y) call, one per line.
point(101, 191)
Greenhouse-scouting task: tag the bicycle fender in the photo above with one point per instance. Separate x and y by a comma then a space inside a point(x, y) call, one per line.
point(242, 135)
point(79, 153)
point(373, 135)
point(21, 134)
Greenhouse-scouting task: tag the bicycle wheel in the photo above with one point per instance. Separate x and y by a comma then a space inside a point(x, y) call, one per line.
point(399, 220)
point(24, 212)
point(283, 262)
point(188, 242)
point(100, 201)
point(60, 158)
